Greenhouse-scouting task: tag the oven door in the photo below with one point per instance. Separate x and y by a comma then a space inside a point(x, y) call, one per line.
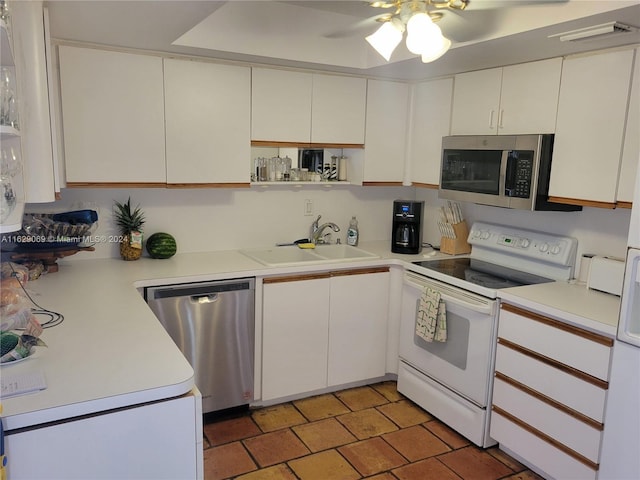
point(464, 362)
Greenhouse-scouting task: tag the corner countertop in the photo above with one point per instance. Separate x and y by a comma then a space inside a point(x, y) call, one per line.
point(110, 351)
point(572, 303)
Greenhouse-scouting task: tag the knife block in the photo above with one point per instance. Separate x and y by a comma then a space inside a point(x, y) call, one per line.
point(458, 245)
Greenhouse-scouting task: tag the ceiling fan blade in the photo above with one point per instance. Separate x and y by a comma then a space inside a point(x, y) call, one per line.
point(361, 27)
point(495, 4)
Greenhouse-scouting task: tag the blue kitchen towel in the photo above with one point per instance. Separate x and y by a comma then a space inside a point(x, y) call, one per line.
point(431, 317)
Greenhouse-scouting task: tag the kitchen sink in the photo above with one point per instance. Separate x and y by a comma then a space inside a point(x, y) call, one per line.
point(293, 255)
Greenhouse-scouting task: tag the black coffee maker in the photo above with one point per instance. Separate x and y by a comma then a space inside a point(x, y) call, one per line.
point(406, 233)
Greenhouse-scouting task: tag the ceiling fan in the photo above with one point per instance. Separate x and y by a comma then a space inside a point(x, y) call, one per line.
point(462, 20)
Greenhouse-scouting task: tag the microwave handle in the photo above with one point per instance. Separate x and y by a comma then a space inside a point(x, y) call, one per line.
point(504, 160)
point(510, 174)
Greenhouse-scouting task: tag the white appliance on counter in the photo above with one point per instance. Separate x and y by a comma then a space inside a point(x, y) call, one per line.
point(453, 380)
point(620, 457)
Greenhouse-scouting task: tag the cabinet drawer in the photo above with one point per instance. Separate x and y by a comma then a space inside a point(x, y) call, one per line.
point(539, 452)
point(571, 346)
point(570, 390)
point(577, 435)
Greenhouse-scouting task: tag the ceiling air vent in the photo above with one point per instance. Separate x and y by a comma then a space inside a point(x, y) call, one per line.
point(594, 32)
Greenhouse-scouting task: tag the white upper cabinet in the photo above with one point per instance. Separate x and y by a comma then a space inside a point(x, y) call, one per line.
point(280, 105)
point(208, 118)
point(386, 131)
point(113, 116)
point(517, 99)
point(300, 107)
point(592, 112)
point(631, 147)
point(430, 121)
point(338, 109)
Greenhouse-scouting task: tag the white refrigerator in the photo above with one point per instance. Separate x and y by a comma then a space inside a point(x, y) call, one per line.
point(620, 458)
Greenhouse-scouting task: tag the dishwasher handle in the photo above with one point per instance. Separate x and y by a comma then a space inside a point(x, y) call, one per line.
point(206, 298)
point(196, 291)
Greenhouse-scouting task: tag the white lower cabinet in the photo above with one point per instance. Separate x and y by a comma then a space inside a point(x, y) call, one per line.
point(323, 329)
point(549, 393)
point(159, 440)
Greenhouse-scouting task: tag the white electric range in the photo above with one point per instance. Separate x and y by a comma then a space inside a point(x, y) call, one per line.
point(453, 380)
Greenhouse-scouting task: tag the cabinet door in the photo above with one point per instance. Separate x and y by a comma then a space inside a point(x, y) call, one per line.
point(208, 118)
point(431, 119)
point(529, 97)
point(476, 98)
point(338, 109)
point(295, 336)
point(386, 131)
point(589, 132)
point(280, 105)
point(113, 116)
point(631, 147)
point(126, 443)
point(358, 326)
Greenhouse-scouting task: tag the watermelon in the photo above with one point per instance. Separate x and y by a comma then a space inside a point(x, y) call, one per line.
point(161, 245)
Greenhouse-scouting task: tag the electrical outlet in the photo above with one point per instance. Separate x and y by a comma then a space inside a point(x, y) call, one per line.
point(308, 207)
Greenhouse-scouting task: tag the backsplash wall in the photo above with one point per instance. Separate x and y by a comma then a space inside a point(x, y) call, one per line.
point(226, 219)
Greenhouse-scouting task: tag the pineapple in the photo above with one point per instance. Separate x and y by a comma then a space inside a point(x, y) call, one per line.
point(130, 224)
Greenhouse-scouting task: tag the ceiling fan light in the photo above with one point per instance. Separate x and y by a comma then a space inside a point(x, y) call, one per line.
point(385, 39)
point(418, 22)
point(434, 52)
point(427, 38)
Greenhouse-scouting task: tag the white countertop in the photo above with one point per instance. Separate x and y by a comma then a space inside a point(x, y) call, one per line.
point(572, 303)
point(111, 351)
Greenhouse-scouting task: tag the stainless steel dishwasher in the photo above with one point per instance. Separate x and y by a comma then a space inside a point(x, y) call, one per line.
point(213, 324)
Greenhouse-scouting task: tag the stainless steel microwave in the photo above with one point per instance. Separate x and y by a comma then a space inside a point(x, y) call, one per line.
point(510, 171)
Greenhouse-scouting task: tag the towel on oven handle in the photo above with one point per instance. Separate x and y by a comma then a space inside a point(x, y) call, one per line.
point(431, 317)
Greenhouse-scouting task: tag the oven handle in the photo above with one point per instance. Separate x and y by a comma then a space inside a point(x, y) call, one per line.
point(453, 295)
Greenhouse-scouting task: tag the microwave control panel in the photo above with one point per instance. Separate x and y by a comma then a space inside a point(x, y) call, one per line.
point(519, 173)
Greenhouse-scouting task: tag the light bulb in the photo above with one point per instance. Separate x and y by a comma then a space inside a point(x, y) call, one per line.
point(385, 39)
point(435, 51)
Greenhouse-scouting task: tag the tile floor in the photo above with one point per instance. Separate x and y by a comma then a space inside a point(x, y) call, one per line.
point(365, 432)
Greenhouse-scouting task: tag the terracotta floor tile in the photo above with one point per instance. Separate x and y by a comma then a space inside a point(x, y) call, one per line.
point(323, 466)
point(388, 390)
point(227, 461)
point(360, 398)
point(416, 443)
point(382, 476)
point(372, 456)
point(367, 423)
point(404, 413)
point(527, 475)
point(323, 434)
point(430, 468)
point(474, 464)
point(276, 447)
point(274, 418)
point(446, 434)
point(231, 430)
point(510, 462)
point(321, 406)
point(277, 472)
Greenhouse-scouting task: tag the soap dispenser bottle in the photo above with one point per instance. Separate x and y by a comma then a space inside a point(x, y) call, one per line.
point(352, 232)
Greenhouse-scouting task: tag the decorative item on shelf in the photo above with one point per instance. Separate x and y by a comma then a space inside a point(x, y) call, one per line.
point(130, 224)
point(453, 230)
point(424, 37)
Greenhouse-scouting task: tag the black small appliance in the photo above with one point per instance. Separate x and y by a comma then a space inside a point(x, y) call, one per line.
point(406, 232)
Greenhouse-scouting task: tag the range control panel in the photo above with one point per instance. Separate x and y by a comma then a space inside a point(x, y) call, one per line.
point(541, 246)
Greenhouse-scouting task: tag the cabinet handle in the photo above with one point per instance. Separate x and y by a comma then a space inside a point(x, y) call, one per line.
point(500, 117)
point(491, 119)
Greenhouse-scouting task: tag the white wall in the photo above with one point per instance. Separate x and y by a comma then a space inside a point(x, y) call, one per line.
point(225, 219)
point(599, 231)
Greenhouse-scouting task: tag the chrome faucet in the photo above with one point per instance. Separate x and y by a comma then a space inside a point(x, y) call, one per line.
point(317, 236)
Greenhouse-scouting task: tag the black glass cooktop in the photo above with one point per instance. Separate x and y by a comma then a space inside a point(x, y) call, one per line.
point(482, 273)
